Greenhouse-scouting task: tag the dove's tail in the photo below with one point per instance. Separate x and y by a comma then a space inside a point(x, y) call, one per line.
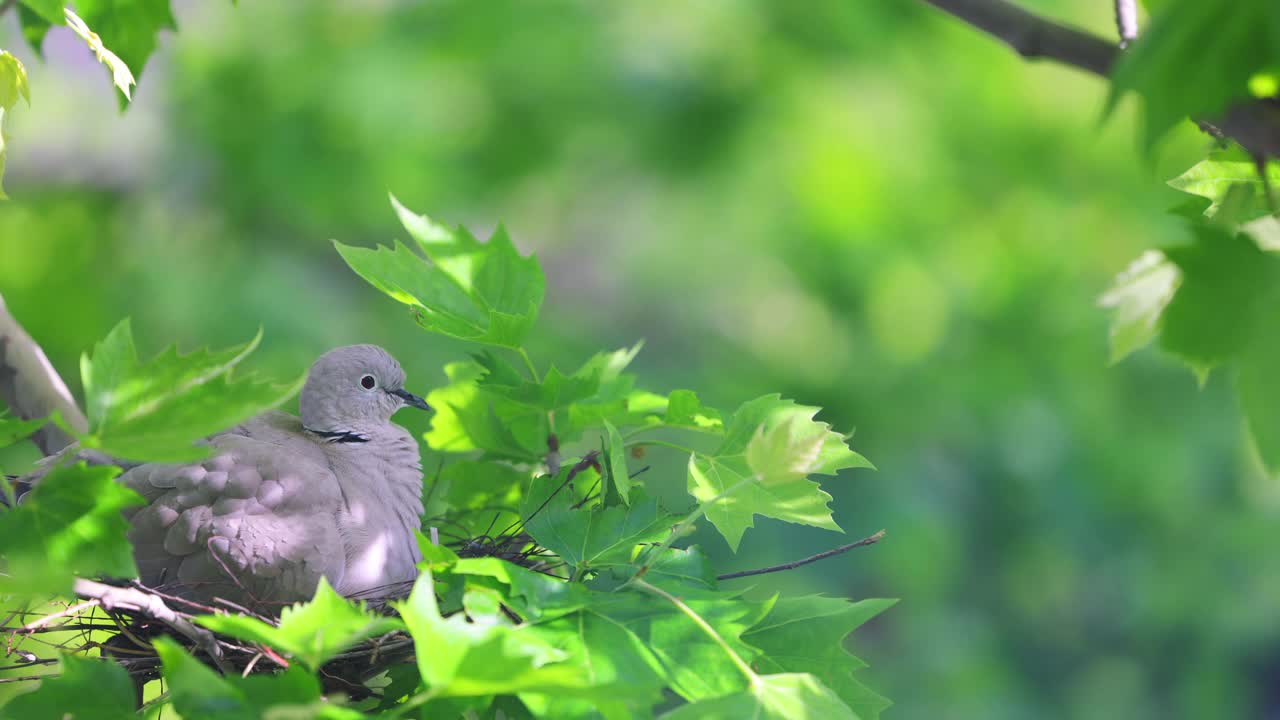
point(32, 388)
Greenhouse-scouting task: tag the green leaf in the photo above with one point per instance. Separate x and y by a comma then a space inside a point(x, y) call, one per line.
point(591, 537)
point(483, 656)
point(466, 495)
point(12, 429)
point(156, 410)
point(13, 85)
point(1195, 58)
point(1228, 287)
point(732, 492)
point(784, 697)
point(1258, 392)
point(1213, 178)
point(482, 292)
point(467, 418)
point(121, 76)
point(534, 596)
point(311, 632)
point(806, 634)
point(199, 693)
point(556, 390)
point(128, 27)
point(616, 462)
point(87, 689)
point(1138, 298)
point(50, 10)
point(686, 566)
point(68, 525)
point(685, 410)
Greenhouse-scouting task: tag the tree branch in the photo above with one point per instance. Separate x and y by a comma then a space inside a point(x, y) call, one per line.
point(1032, 36)
point(1255, 125)
point(135, 601)
point(869, 540)
point(32, 388)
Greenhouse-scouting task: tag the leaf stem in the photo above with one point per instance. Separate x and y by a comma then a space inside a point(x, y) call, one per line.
point(683, 526)
point(528, 363)
point(665, 444)
point(705, 626)
point(662, 426)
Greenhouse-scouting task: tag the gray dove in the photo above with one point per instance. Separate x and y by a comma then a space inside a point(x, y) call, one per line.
point(285, 500)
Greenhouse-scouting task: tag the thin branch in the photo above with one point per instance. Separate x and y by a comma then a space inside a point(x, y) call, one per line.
point(1127, 21)
point(135, 601)
point(1033, 36)
point(869, 540)
point(1254, 125)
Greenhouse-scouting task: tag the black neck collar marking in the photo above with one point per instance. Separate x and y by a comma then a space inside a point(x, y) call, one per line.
point(345, 436)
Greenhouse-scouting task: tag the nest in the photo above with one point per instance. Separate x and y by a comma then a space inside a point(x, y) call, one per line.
point(119, 619)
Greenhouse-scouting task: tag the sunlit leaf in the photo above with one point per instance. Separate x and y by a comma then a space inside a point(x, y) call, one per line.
point(1138, 298)
point(1213, 178)
point(482, 292)
point(483, 655)
point(13, 85)
point(121, 76)
point(468, 418)
point(68, 525)
point(156, 410)
point(13, 429)
point(782, 697)
point(312, 632)
point(732, 492)
point(806, 634)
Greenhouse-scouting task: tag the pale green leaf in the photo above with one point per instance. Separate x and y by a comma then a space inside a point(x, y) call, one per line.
point(156, 410)
point(1215, 177)
point(616, 462)
point(732, 493)
point(482, 292)
point(311, 632)
point(789, 696)
point(468, 418)
point(483, 655)
point(121, 76)
point(1138, 298)
point(13, 429)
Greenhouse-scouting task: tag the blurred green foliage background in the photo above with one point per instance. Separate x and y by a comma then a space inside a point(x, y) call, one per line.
point(861, 204)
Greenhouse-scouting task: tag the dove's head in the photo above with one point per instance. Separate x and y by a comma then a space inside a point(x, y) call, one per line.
point(354, 389)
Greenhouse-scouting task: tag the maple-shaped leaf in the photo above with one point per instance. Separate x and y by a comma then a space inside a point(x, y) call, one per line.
point(482, 292)
point(806, 634)
point(199, 693)
point(467, 418)
point(777, 697)
point(311, 632)
point(157, 409)
point(1138, 297)
point(586, 535)
point(87, 689)
point(1216, 177)
point(776, 436)
point(69, 525)
point(13, 85)
point(480, 653)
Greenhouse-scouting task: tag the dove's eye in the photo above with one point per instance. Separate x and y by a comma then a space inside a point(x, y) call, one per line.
point(367, 382)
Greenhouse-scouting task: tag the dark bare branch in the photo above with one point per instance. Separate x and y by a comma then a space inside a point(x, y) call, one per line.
point(1254, 125)
point(869, 540)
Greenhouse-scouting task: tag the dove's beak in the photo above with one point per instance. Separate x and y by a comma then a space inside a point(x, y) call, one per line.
point(410, 399)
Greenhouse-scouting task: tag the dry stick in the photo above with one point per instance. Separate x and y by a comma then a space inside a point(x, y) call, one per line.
point(869, 540)
point(135, 601)
point(69, 610)
point(1253, 124)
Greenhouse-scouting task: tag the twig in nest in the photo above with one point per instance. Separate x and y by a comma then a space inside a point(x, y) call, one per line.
point(69, 610)
point(869, 540)
point(135, 601)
